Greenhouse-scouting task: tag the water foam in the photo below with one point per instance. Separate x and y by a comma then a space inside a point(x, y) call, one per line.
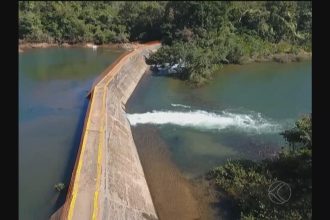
point(207, 120)
point(180, 105)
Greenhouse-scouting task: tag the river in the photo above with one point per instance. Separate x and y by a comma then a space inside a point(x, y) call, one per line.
point(181, 133)
point(53, 84)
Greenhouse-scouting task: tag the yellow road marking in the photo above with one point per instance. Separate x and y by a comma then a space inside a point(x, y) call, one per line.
point(80, 162)
point(99, 157)
point(99, 154)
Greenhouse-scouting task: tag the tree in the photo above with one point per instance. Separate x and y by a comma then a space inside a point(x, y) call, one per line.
point(301, 134)
point(233, 31)
point(246, 182)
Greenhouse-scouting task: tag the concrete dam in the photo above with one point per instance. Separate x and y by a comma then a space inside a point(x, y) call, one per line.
point(108, 181)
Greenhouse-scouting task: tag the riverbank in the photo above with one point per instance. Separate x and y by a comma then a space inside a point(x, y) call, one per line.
point(278, 57)
point(172, 155)
point(23, 46)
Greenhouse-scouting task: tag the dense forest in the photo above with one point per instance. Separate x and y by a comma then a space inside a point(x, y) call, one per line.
point(199, 36)
point(104, 22)
point(247, 182)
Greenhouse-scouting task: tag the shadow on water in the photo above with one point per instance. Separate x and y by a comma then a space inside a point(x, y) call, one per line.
point(162, 73)
point(221, 205)
point(191, 198)
point(171, 156)
point(72, 156)
point(226, 208)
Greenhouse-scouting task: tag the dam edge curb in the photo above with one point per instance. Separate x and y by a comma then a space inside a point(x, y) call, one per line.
point(66, 211)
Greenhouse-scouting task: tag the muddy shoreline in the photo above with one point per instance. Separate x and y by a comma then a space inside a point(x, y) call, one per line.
point(277, 57)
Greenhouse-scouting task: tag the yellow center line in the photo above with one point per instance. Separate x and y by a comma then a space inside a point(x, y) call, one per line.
point(80, 162)
point(99, 153)
point(99, 157)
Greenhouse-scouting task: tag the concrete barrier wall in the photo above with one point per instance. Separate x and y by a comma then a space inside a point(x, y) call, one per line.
point(108, 181)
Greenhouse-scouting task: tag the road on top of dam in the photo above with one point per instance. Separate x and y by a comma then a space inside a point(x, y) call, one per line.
point(108, 181)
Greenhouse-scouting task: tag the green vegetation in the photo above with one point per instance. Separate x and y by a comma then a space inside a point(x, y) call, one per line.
point(204, 35)
point(200, 35)
point(247, 182)
point(86, 21)
point(59, 186)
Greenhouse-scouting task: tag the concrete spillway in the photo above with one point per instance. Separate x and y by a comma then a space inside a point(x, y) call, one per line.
point(108, 181)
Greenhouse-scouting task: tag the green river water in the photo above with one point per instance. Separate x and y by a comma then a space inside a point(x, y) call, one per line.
point(181, 133)
point(239, 114)
point(53, 84)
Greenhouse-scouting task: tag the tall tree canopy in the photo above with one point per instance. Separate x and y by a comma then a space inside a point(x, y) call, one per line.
point(211, 32)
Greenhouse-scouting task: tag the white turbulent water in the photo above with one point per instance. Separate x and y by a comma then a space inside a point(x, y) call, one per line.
point(207, 120)
point(180, 105)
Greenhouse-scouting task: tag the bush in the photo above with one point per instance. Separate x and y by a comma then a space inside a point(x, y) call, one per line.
point(59, 186)
point(39, 37)
point(121, 38)
point(247, 182)
point(283, 47)
point(170, 21)
point(211, 33)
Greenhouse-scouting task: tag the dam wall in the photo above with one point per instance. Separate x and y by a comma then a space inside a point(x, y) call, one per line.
point(108, 181)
